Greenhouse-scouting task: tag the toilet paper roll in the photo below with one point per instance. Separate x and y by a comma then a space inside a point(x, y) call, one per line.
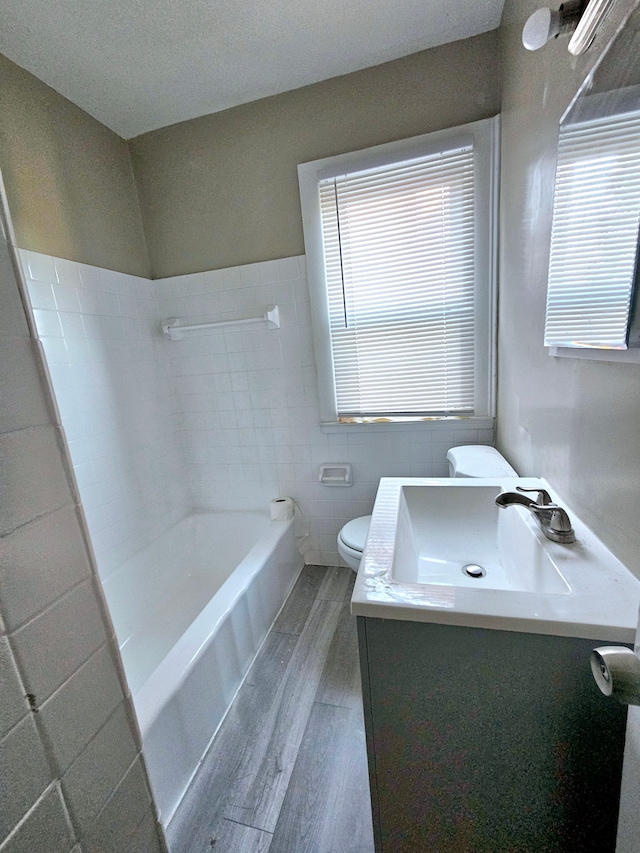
point(616, 670)
point(282, 509)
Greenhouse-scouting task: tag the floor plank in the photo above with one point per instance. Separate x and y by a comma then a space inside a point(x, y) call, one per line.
point(335, 583)
point(327, 804)
point(340, 680)
point(201, 811)
point(260, 784)
point(294, 614)
point(290, 756)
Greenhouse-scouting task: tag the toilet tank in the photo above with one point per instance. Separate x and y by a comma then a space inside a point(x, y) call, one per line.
point(476, 460)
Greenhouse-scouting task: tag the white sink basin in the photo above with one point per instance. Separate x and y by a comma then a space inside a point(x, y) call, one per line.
point(450, 534)
point(424, 532)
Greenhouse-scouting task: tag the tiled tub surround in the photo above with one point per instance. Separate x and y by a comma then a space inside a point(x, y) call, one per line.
point(189, 618)
point(63, 705)
point(99, 330)
point(243, 404)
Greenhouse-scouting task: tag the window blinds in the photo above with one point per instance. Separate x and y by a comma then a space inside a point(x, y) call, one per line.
point(594, 237)
point(399, 260)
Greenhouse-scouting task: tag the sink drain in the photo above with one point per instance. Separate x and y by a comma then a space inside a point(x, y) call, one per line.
point(473, 570)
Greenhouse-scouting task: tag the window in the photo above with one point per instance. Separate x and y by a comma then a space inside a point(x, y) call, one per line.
point(400, 256)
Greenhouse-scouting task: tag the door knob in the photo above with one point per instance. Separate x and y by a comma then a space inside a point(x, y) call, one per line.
point(616, 670)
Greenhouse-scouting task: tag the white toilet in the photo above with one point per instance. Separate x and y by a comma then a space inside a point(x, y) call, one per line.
point(474, 460)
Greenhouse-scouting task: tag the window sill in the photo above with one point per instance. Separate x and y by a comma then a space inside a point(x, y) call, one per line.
point(409, 424)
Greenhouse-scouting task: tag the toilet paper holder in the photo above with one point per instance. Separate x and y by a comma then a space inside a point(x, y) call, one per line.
point(616, 670)
point(335, 474)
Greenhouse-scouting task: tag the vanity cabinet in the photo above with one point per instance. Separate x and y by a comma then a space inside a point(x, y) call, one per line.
point(487, 741)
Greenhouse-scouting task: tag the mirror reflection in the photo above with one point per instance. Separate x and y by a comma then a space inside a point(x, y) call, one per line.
point(593, 266)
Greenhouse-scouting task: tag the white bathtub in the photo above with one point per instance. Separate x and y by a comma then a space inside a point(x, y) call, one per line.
point(191, 612)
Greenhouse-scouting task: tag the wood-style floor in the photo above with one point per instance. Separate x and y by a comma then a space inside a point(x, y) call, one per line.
point(287, 772)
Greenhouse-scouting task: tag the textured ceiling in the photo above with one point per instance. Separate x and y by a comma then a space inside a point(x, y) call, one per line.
point(137, 65)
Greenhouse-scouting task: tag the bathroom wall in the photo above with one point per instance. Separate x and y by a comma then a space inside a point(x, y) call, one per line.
point(73, 780)
point(68, 178)
point(108, 362)
point(247, 403)
point(222, 190)
point(575, 422)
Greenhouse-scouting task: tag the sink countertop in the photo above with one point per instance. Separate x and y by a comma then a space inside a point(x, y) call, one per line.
point(602, 604)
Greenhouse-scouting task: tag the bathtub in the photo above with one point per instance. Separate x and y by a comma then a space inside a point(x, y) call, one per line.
point(191, 612)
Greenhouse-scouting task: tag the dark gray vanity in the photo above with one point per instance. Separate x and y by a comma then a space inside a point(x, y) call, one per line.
point(487, 741)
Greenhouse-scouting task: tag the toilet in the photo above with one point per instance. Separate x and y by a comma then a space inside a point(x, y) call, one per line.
point(474, 460)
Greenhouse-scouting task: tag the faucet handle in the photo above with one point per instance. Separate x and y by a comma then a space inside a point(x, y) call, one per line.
point(559, 527)
point(560, 522)
point(543, 499)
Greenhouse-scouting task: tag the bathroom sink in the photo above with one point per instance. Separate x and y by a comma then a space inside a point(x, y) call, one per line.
point(456, 535)
point(440, 550)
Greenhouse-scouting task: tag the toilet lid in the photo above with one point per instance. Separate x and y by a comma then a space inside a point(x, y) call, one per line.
point(354, 533)
point(477, 460)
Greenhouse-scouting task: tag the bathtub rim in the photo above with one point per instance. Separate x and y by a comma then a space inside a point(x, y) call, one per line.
point(156, 693)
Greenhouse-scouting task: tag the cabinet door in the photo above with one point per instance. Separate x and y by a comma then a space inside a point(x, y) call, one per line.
point(484, 741)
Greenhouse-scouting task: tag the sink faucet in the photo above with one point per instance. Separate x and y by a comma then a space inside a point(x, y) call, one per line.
point(552, 519)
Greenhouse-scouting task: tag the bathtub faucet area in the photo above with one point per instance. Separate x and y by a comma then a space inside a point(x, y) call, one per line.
point(552, 519)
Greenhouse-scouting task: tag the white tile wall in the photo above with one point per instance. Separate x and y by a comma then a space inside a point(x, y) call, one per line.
point(33, 481)
point(52, 540)
point(124, 811)
point(13, 706)
point(247, 406)
point(24, 766)
point(77, 617)
point(107, 360)
point(45, 826)
point(76, 712)
point(113, 750)
point(60, 687)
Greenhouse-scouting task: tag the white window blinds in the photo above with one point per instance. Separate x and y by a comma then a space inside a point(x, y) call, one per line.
point(594, 239)
point(399, 264)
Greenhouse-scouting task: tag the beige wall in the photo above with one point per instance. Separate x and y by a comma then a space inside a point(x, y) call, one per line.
point(222, 190)
point(574, 422)
point(68, 177)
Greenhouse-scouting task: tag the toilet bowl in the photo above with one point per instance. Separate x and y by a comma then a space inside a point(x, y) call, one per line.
point(351, 540)
point(473, 460)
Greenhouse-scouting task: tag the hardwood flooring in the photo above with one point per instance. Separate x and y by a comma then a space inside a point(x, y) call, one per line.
point(287, 771)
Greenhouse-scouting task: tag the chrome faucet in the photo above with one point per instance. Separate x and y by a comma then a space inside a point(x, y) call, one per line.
point(552, 519)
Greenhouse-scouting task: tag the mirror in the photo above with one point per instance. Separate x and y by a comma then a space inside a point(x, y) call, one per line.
point(594, 264)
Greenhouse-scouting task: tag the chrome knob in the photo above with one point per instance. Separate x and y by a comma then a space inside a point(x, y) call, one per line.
point(543, 499)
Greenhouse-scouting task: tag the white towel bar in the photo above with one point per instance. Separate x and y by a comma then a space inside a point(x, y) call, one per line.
point(176, 332)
